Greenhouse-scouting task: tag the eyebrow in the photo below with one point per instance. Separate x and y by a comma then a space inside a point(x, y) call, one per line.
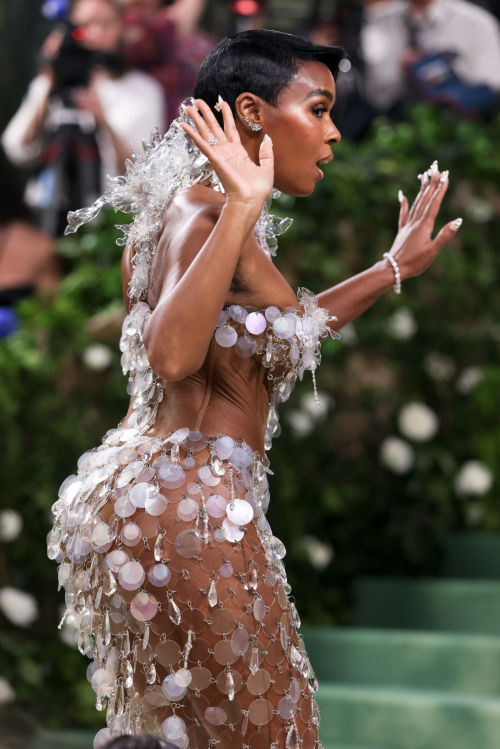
point(320, 92)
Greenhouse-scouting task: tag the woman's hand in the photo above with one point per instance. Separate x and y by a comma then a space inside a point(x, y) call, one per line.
point(414, 249)
point(244, 182)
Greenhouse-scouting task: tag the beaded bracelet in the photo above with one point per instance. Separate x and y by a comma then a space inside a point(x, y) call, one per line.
point(397, 285)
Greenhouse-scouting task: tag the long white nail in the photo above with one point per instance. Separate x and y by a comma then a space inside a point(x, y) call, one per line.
point(400, 196)
point(220, 102)
point(455, 225)
point(433, 168)
point(267, 137)
point(444, 175)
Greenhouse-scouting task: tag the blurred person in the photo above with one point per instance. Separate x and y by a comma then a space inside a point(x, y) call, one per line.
point(143, 741)
point(164, 40)
point(440, 50)
point(81, 113)
point(352, 111)
point(28, 259)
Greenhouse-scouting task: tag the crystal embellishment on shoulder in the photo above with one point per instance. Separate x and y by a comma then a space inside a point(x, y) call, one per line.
point(288, 342)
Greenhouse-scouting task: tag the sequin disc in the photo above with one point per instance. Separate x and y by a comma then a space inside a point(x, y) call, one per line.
point(144, 606)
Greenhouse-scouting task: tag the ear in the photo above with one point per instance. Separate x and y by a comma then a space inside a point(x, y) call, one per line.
point(248, 105)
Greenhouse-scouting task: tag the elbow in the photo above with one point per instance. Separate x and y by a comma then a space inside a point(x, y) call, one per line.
point(170, 363)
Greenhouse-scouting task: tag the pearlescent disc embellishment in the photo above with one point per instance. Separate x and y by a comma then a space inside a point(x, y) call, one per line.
point(144, 606)
point(159, 575)
point(255, 323)
point(226, 336)
point(131, 576)
point(239, 512)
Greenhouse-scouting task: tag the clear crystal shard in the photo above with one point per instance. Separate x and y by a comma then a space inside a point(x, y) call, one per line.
point(216, 465)
point(212, 594)
point(97, 601)
point(53, 546)
point(109, 585)
point(230, 686)
point(128, 674)
point(125, 644)
point(99, 704)
point(145, 637)
point(283, 638)
point(254, 661)
point(254, 580)
point(174, 612)
point(94, 571)
point(120, 701)
point(106, 629)
point(158, 550)
point(151, 674)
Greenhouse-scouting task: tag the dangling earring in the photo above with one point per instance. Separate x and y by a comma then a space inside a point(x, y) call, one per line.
point(252, 125)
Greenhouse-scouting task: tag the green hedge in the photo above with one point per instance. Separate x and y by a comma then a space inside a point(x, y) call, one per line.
point(331, 494)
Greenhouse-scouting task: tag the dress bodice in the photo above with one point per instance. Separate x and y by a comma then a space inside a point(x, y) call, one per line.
point(286, 342)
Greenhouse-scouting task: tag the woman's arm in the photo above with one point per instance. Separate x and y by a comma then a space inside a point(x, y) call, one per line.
point(413, 250)
point(350, 298)
point(200, 264)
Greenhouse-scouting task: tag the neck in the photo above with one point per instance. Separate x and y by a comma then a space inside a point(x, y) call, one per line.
point(420, 6)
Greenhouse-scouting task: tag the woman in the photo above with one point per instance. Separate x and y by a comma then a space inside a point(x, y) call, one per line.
point(171, 571)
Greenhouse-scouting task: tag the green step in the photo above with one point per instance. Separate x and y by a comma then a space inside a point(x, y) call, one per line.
point(466, 664)
point(63, 740)
point(472, 555)
point(428, 603)
point(407, 719)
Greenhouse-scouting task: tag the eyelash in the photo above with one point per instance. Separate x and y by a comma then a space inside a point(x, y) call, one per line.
point(315, 110)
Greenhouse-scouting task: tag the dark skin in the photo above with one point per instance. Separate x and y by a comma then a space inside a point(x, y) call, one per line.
point(208, 243)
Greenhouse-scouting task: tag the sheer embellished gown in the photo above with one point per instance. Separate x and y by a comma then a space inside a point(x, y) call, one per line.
point(173, 578)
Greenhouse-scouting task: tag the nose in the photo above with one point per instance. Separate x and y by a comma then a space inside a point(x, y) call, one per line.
point(333, 134)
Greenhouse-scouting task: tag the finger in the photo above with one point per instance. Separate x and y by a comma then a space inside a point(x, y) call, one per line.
point(434, 185)
point(210, 120)
point(423, 186)
point(403, 211)
point(200, 123)
point(434, 204)
point(198, 139)
point(266, 155)
point(447, 232)
point(229, 123)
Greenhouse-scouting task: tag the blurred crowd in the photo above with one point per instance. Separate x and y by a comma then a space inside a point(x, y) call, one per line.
point(112, 70)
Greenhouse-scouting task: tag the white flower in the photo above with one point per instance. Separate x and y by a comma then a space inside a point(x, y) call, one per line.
point(20, 607)
point(309, 405)
point(473, 479)
point(300, 422)
point(397, 455)
point(402, 324)
point(348, 334)
point(469, 379)
point(320, 553)
point(439, 366)
point(7, 694)
point(11, 523)
point(97, 356)
point(418, 422)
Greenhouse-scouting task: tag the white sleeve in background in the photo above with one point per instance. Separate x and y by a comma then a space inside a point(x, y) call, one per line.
point(12, 138)
point(133, 106)
point(483, 60)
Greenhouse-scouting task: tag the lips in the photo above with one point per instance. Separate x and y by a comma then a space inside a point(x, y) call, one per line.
point(326, 160)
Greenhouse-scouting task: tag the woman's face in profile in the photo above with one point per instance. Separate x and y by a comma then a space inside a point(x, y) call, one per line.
point(302, 130)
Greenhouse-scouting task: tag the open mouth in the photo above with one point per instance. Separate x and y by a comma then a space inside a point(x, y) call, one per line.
point(324, 161)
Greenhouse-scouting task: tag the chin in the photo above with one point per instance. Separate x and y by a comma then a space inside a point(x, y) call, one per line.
point(296, 190)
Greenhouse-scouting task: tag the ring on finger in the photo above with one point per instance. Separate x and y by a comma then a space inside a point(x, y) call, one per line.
point(213, 142)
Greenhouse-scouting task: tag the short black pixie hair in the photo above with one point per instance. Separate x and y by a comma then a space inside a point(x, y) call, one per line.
point(260, 61)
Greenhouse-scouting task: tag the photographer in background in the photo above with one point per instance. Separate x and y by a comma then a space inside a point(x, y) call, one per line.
point(81, 114)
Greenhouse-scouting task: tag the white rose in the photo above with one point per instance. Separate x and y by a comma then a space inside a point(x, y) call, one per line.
point(396, 455)
point(11, 523)
point(20, 607)
point(439, 366)
point(469, 379)
point(309, 405)
point(300, 422)
point(349, 334)
point(418, 422)
point(97, 356)
point(7, 694)
point(473, 479)
point(320, 553)
point(402, 324)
